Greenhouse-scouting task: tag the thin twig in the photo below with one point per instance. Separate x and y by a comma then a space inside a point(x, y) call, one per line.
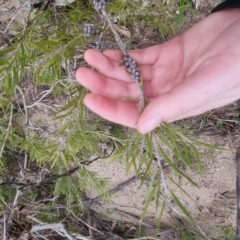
point(129, 216)
point(26, 122)
point(118, 39)
point(90, 223)
point(24, 105)
point(51, 180)
point(100, 38)
point(114, 236)
point(41, 236)
point(55, 226)
point(201, 231)
point(118, 188)
point(35, 219)
point(98, 198)
point(45, 105)
point(18, 194)
point(43, 96)
point(80, 220)
point(25, 165)
point(159, 161)
point(171, 207)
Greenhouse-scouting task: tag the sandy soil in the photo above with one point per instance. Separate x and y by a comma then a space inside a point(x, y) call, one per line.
point(215, 197)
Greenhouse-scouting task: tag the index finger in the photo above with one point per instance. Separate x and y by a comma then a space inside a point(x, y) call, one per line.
point(147, 56)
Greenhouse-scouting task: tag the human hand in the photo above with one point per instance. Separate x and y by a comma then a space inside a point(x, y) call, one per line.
point(186, 76)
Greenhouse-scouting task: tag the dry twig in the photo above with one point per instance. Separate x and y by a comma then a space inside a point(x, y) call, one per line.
point(56, 227)
point(123, 49)
point(118, 188)
point(80, 220)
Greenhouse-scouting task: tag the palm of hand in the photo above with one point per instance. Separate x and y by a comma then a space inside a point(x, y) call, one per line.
point(186, 76)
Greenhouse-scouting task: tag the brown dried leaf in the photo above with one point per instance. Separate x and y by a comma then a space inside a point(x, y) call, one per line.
point(123, 30)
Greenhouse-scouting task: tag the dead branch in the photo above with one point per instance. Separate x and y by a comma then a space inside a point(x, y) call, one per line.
point(56, 227)
point(41, 98)
point(86, 224)
point(50, 180)
point(128, 215)
point(24, 105)
point(118, 188)
point(117, 38)
point(18, 194)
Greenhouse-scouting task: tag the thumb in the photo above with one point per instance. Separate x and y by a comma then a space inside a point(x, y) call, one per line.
point(171, 105)
point(157, 111)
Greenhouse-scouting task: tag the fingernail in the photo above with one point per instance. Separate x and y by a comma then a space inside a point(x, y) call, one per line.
point(150, 125)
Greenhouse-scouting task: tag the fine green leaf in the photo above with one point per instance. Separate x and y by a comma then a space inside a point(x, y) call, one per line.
point(198, 159)
point(180, 205)
point(178, 186)
point(175, 168)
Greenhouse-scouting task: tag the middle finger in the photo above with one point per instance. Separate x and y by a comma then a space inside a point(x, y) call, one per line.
point(115, 69)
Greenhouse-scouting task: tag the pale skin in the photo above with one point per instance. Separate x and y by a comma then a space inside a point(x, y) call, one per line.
point(186, 76)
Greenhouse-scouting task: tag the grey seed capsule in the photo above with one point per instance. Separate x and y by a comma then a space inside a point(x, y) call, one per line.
point(88, 29)
point(137, 74)
point(133, 77)
point(132, 67)
point(134, 64)
point(129, 69)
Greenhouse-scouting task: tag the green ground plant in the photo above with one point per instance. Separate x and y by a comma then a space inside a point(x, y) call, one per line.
point(45, 51)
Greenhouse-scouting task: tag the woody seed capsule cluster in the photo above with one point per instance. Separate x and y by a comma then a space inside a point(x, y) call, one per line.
point(99, 4)
point(132, 68)
point(88, 30)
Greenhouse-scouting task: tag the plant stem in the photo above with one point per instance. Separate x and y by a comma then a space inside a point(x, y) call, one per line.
point(159, 161)
point(118, 39)
point(123, 49)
